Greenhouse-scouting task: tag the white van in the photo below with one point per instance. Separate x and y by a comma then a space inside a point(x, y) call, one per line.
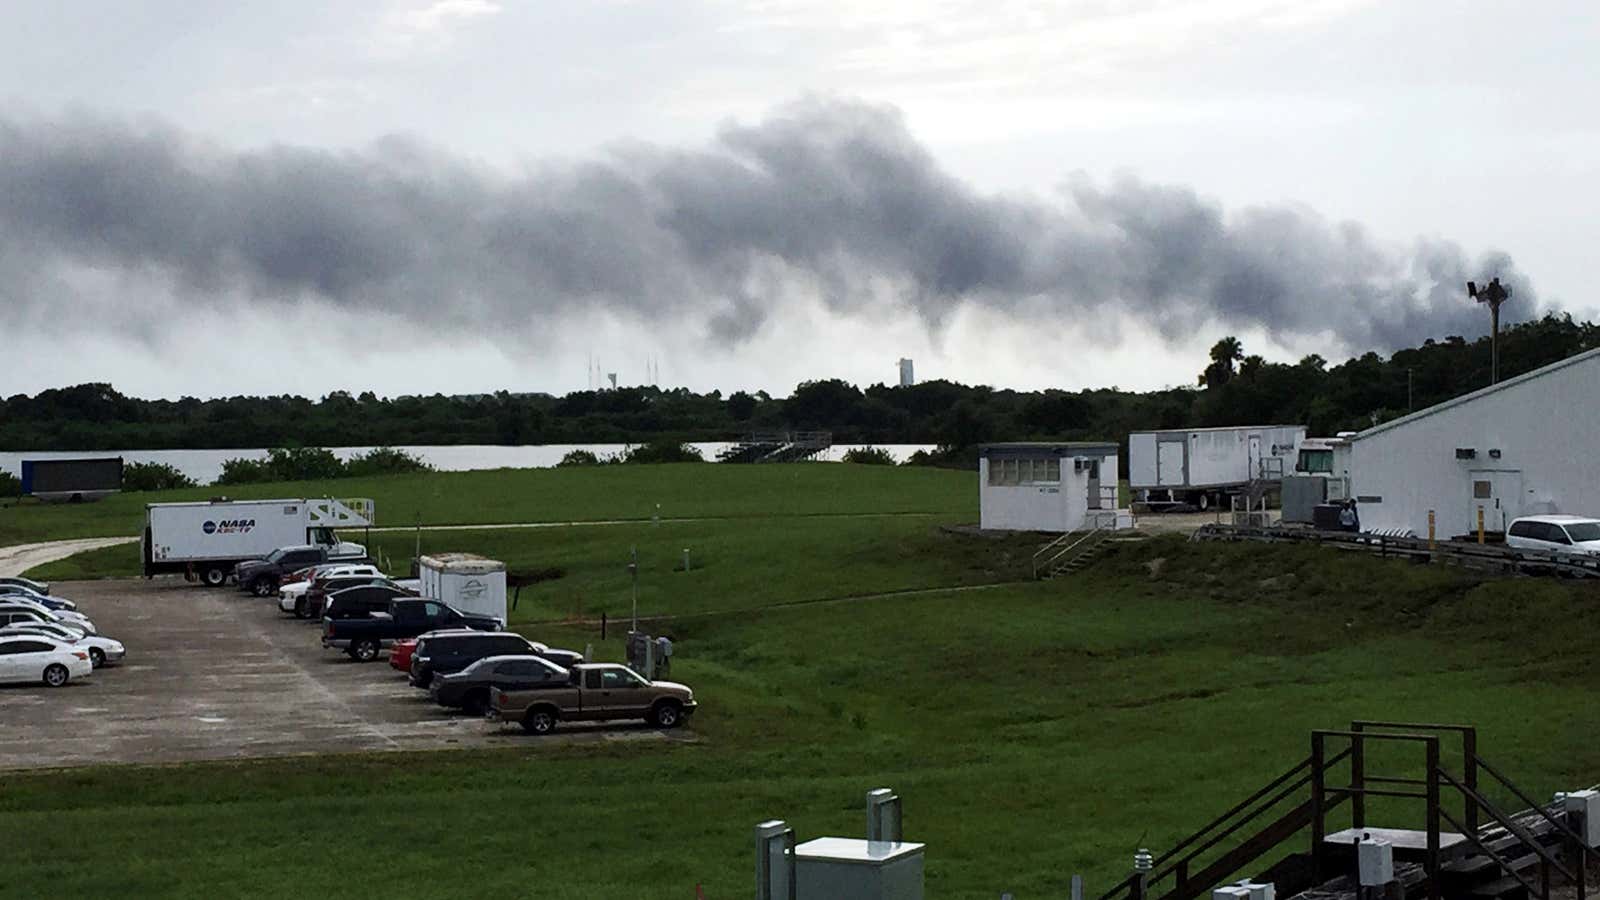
point(1555, 534)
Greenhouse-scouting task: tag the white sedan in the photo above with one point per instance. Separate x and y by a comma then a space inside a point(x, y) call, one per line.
point(30, 658)
point(102, 650)
point(44, 614)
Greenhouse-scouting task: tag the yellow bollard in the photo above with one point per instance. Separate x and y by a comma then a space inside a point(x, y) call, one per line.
point(1480, 524)
point(1432, 543)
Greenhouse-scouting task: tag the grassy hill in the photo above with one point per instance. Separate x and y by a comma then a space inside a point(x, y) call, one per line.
point(580, 494)
point(1035, 730)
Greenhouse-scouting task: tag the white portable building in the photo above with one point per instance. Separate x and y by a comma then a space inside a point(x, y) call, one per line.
point(465, 581)
point(1055, 487)
point(1200, 464)
point(1520, 447)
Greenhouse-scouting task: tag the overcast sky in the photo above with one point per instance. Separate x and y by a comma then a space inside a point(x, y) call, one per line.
point(472, 195)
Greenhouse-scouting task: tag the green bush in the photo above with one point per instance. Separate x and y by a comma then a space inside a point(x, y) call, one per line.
point(303, 464)
point(578, 458)
point(153, 477)
point(947, 456)
point(10, 485)
point(244, 471)
point(384, 461)
point(662, 452)
point(868, 456)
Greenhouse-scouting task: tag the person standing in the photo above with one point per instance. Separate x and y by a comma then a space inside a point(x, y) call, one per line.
point(663, 654)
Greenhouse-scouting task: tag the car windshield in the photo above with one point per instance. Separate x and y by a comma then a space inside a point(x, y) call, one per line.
point(276, 555)
point(1583, 531)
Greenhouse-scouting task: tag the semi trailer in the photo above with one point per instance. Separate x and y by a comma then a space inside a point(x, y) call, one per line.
point(1202, 466)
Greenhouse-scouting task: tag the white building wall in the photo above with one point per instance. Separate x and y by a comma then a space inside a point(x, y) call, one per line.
point(1052, 507)
point(1547, 429)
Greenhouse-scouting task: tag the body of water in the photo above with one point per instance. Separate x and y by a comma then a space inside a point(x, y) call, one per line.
point(205, 465)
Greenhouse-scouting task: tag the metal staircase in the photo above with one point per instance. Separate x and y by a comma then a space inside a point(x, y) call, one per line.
point(1075, 549)
point(1489, 855)
point(778, 446)
point(1249, 507)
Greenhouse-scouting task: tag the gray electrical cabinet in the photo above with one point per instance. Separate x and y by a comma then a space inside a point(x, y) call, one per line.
point(1301, 495)
point(849, 869)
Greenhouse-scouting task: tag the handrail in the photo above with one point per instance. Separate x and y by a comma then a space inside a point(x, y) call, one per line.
point(1262, 792)
point(1506, 823)
point(1046, 548)
point(1096, 531)
point(1565, 830)
point(1160, 870)
point(1499, 860)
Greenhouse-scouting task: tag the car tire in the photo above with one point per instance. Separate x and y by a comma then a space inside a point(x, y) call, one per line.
point(300, 608)
point(475, 703)
point(262, 588)
point(539, 721)
point(365, 650)
point(56, 675)
point(97, 657)
point(213, 576)
point(666, 714)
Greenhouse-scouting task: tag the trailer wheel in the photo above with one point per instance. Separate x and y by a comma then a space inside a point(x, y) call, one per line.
point(1202, 501)
point(213, 576)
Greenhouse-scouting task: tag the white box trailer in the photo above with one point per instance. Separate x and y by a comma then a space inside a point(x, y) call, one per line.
point(208, 538)
point(1202, 465)
point(465, 581)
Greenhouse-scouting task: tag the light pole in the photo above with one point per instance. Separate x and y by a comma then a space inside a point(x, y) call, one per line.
point(1493, 294)
point(633, 569)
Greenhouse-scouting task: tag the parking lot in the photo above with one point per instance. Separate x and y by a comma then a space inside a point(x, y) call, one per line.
point(218, 674)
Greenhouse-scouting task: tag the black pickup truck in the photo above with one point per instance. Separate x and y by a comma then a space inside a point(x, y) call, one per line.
point(363, 638)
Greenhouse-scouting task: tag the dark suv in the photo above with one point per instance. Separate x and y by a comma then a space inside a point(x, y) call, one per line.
point(444, 652)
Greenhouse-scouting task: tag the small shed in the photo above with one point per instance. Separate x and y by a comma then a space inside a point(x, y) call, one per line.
point(1521, 447)
point(1043, 486)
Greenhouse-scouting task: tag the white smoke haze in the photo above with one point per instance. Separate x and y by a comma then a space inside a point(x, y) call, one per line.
point(111, 225)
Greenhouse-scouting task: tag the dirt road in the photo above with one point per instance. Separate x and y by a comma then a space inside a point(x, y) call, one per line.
point(20, 558)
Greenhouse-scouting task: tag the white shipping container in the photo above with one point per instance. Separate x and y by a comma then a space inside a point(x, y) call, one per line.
point(465, 581)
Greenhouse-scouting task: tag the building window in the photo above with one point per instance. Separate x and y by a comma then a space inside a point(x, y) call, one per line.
point(1482, 490)
point(1015, 471)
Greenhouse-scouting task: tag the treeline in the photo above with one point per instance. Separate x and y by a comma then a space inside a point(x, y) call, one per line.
point(1235, 387)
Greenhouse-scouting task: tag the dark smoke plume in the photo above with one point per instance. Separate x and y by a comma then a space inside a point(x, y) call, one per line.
point(834, 199)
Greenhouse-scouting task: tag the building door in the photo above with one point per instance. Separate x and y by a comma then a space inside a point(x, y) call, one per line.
point(1498, 493)
point(1094, 484)
point(1255, 457)
point(1169, 463)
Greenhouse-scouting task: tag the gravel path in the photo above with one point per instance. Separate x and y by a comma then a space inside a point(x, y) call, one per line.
point(20, 558)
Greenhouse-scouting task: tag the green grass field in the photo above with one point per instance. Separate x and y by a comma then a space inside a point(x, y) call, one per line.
point(1035, 730)
point(583, 494)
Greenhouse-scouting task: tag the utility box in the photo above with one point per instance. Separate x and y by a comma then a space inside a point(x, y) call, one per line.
point(1586, 806)
point(1301, 495)
point(465, 581)
point(1374, 862)
point(1260, 891)
point(1231, 892)
point(849, 869)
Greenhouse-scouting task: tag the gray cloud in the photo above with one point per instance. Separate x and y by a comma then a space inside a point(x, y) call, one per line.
point(829, 197)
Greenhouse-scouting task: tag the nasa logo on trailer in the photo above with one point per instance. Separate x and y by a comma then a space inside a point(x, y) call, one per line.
point(473, 590)
point(209, 527)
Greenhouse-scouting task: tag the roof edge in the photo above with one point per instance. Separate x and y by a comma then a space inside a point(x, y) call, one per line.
point(1480, 392)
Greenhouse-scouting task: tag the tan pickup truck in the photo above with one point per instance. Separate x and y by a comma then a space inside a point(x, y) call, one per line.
point(595, 692)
